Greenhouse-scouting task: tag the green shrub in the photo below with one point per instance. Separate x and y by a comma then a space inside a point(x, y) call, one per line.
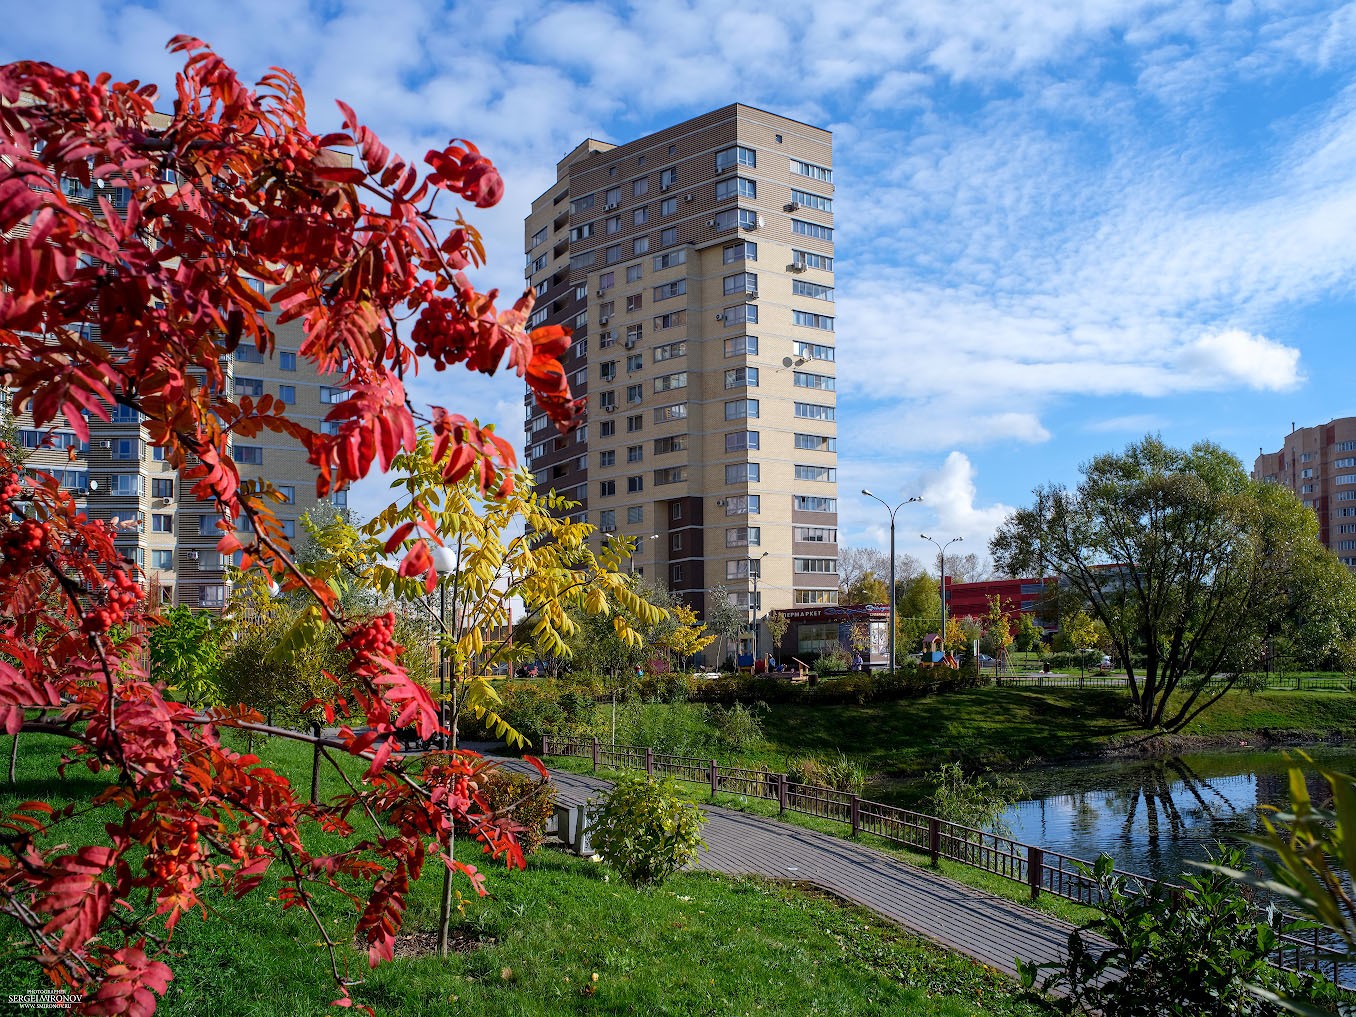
point(738, 726)
point(646, 830)
point(1197, 953)
point(979, 802)
point(680, 729)
point(529, 802)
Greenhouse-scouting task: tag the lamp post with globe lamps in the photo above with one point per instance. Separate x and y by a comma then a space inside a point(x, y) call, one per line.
point(941, 554)
point(892, 512)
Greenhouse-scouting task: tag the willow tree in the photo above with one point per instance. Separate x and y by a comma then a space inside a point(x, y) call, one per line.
point(1190, 565)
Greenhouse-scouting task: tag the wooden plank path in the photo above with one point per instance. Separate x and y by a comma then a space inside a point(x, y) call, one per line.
point(990, 929)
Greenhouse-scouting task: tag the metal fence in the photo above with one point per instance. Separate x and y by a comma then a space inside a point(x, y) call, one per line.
point(1037, 868)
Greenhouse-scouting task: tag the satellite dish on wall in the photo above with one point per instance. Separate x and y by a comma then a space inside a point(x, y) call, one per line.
point(94, 485)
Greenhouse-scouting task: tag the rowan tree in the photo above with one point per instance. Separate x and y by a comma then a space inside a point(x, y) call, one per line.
point(226, 189)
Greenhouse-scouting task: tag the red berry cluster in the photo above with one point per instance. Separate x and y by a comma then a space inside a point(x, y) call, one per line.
point(120, 598)
point(21, 546)
point(375, 638)
point(9, 493)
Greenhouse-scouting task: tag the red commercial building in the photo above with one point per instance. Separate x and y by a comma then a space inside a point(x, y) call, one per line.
point(1018, 597)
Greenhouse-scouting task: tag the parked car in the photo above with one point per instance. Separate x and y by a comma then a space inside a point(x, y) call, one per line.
point(985, 660)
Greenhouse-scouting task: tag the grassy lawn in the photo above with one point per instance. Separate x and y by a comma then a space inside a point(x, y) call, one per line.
point(560, 938)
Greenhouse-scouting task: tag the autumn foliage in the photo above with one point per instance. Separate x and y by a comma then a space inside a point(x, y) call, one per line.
point(225, 186)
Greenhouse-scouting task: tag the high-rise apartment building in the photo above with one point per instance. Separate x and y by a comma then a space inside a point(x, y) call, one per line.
point(162, 527)
point(695, 266)
point(1319, 465)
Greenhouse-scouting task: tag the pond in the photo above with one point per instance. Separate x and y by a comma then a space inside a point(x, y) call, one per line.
point(1153, 816)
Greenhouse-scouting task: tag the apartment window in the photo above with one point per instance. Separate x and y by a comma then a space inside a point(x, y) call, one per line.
point(641, 185)
point(811, 229)
point(738, 441)
point(635, 393)
point(538, 237)
point(824, 382)
point(809, 259)
point(811, 320)
point(288, 492)
point(607, 458)
point(801, 288)
point(671, 289)
point(743, 536)
point(813, 503)
point(739, 409)
point(827, 474)
point(633, 273)
point(668, 236)
point(736, 155)
point(607, 400)
point(823, 565)
point(815, 351)
point(578, 262)
point(212, 596)
point(671, 320)
point(582, 204)
point(289, 528)
point(741, 473)
point(675, 511)
point(1306, 489)
point(634, 301)
point(30, 438)
point(607, 488)
point(670, 475)
point(734, 187)
point(635, 422)
point(640, 216)
point(635, 453)
point(163, 560)
point(744, 218)
point(1346, 446)
point(807, 200)
point(249, 354)
point(739, 377)
point(669, 259)
point(816, 443)
point(634, 362)
point(669, 351)
point(744, 250)
point(738, 569)
point(740, 313)
point(668, 177)
point(639, 246)
point(581, 291)
point(120, 414)
point(127, 485)
point(612, 226)
point(673, 443)
point(635, 485)
point(613, 196)
point(288, 394)
point(249, 386)
point(814, 411)
point(162, 523)
point(607, 428)
point(125, 448)
point(207, 525)
point(1345, 478)
point(162, 488)
point(607, 520)
point(330, 395)
point(633, 335)
point(676, 541)
point(741, 282)
point(742, 345)
point(744, 505)
point(1342, 464)
point(809, 169)
point(815, 534)
point(612, 254)
point(669, 382)
point(605, 282)
point(607, 370)
point(1306, 474)
point(669, 206)
point(678, 411)
point(816, 596)
point(538, 316)
point(330, 427)
point(635, 514)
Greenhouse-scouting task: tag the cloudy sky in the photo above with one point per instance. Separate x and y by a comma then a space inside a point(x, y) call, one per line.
point(1061, 223)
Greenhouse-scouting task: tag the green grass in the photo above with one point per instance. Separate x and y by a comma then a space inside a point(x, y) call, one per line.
point(699, 945)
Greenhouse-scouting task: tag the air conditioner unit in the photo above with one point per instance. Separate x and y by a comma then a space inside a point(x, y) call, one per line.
point(604, 320)
point(793, 206)
point(601, 292)
point(665, 187)
point(630, 344)
point(721, 169)
point(191, 555)
point(687, 197)
point(609, 206)
point(720, 317)
point(796, 266)
point(105, 444)
point(715, 224)
point(164, 501)
point(609, 409)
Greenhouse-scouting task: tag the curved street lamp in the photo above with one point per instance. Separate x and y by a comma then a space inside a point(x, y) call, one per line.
point(941, 553)
point(756, 573)
point(445, 564)
point(892, 512)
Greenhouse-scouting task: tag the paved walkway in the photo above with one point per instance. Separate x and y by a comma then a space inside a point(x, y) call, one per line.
point(988, 928)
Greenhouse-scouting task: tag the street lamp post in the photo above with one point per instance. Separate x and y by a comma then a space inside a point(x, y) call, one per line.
point(632, 560)
point(445, 563)
point(892, 512)
point(941, 554)
point(755, 573)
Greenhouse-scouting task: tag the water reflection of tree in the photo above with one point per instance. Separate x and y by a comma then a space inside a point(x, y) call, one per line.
point(1152, 795)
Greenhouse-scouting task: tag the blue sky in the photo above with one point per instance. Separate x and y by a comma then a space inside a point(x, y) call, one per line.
point(1060, 225)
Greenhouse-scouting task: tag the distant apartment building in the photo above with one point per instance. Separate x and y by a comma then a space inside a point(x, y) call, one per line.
point(695, 266)
point(1319, 465)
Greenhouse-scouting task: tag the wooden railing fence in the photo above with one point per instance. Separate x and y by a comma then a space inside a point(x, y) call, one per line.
point(1039, 869)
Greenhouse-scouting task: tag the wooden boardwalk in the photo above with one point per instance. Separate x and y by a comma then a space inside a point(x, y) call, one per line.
point(990, 929)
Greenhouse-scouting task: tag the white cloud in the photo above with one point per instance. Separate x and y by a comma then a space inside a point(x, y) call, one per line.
point(1133, 423)
point(1235, 358)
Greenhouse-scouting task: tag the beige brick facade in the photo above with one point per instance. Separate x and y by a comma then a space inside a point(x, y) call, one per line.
point(696, 267)
point(1319, 465)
